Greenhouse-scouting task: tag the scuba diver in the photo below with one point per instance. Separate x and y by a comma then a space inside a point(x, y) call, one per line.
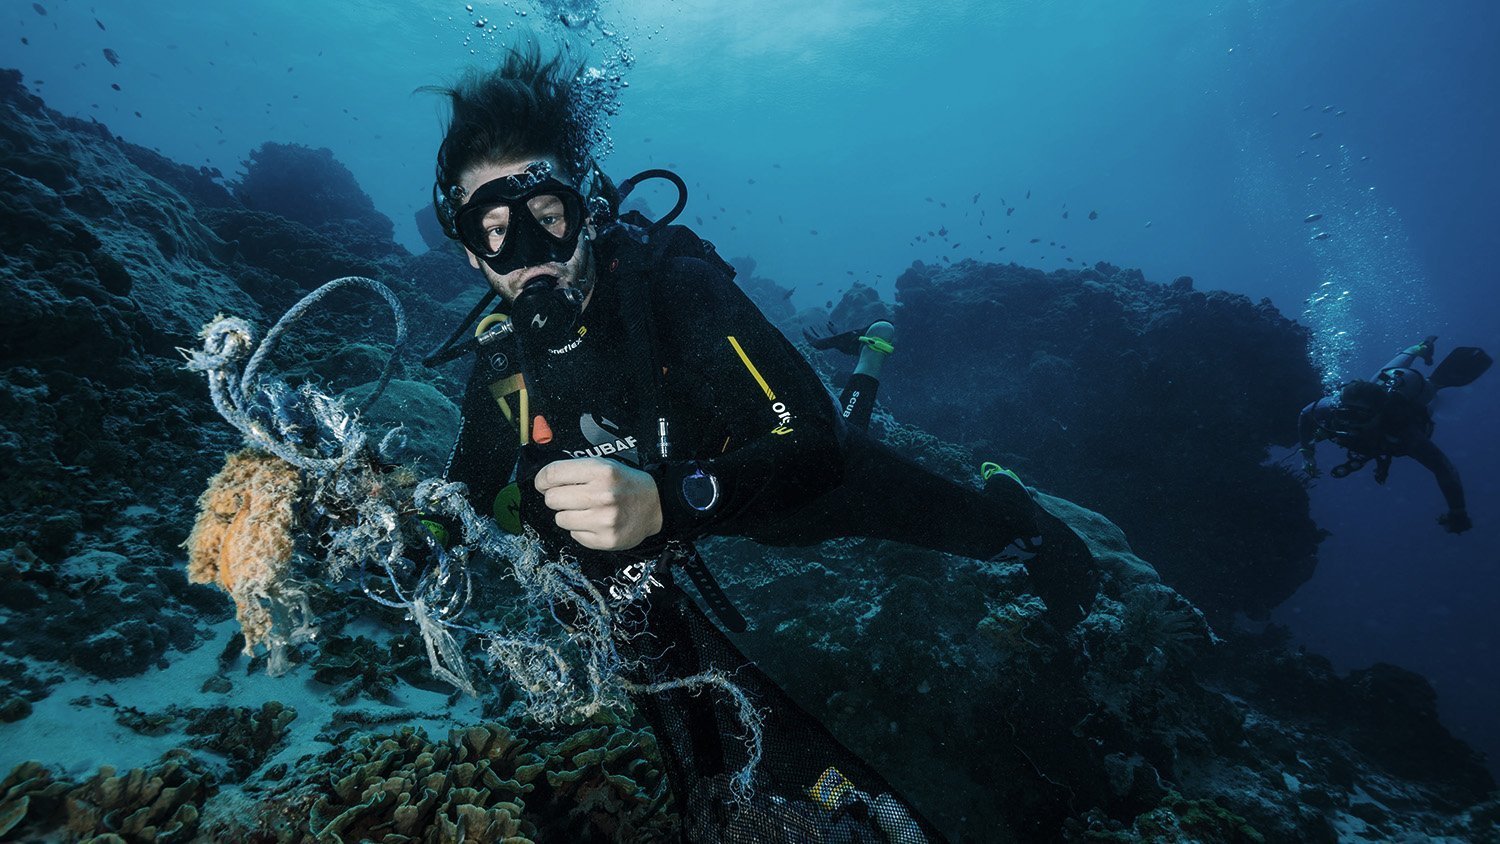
point(1390, 416)
point(627, 398)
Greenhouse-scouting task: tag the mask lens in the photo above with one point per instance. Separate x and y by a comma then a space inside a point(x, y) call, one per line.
point(551, 211)
point(493, 225)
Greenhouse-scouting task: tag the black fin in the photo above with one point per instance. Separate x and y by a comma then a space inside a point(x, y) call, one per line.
point(1461, 367)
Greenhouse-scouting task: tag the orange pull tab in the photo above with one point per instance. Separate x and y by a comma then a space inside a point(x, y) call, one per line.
point(541, 432)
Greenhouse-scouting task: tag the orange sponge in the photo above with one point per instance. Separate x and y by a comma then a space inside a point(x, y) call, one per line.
point(243, 538)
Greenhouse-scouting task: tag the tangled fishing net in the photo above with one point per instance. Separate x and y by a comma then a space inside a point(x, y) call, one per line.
point(312, 493)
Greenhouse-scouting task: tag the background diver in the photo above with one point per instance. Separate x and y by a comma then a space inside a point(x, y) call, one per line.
point(637, 401)
point(1391, 416)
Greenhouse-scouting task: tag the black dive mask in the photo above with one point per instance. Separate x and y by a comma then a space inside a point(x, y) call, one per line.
point(524, 220)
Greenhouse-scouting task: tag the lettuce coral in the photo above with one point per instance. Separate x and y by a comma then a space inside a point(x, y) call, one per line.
point(159, 802)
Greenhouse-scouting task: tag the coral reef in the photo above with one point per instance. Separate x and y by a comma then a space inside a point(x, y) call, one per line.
point(159, 802)
point(1140, 723)
point(309, 186)
point(484, 783)
point(358, 666)
point(924, 662)
point(1055, 367)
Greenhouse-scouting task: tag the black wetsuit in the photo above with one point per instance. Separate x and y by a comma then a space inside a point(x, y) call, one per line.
point(1403, 428)
point(745, 405)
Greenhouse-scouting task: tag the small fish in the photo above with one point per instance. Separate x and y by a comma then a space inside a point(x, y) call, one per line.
point(1320, 236)
point(929, 199)
point(1148, 224)
point(115, 85)
point(1312, 218)
point(699, 219)
point(1028, 193)
point(137, 114)
point(956, 245)
point(1327, 109)
point(24, 40)
point(975, 200)
point(1009, 211)
point(1065, 215)
point(1314, 136)
point(777, 166)
point(828, 304)
point(1340, 113)
point(779, 220)
point(750, 181)
point(813, 231)
point(942, 205)
point(1093, 215)
point(101, 26)
point(788, 294)
point(40, 9)
point(1036, 240)
point(1000, 249)
point(943, 232)
point(112, 57)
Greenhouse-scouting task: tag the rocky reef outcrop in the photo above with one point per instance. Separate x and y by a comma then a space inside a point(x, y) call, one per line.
point(1153, 403)
point(1138, 723)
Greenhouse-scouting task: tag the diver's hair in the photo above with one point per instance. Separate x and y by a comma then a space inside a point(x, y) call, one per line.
point(1362, 393)
point(526, 107)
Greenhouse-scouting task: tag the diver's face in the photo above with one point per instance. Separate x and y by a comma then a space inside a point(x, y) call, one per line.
point(569, 274)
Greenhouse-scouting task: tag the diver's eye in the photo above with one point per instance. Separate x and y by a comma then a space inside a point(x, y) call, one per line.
point(494, 238)
point(550, 212)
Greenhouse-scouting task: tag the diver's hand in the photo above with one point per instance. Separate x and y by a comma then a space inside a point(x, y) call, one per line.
point(846, 342)
point(602, 504)
point(1311, 468)
point(1455, 521)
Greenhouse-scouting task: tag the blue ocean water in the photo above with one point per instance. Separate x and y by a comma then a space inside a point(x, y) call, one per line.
point(825, 139)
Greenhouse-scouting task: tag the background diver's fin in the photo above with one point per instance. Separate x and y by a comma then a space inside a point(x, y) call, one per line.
point(1461, 367)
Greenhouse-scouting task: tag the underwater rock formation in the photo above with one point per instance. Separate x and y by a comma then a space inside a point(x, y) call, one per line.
point(1152, 403)
point(311, 187)
point(1137, 724)
point(1139, 720)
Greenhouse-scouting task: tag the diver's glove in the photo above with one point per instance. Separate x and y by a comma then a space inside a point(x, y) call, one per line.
point(1309, 461)
point(1424, 349)
point(1455, 521)
point(846, 341)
